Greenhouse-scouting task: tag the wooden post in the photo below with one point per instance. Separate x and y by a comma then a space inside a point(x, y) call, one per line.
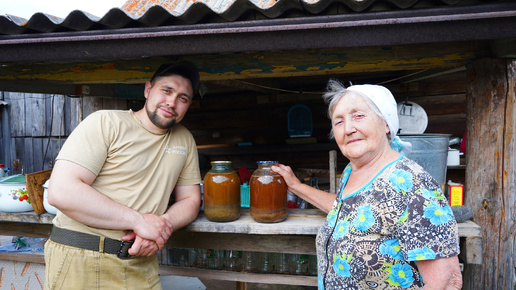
point(333, 171)
point(491, 170)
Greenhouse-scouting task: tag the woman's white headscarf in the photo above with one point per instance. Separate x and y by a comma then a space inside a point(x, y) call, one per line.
point(385, 102)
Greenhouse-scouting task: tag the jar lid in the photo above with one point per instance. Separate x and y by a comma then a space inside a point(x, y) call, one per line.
point(267, 162)
point(221, 162)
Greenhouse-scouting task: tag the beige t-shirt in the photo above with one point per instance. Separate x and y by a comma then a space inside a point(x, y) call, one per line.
point(134, 166)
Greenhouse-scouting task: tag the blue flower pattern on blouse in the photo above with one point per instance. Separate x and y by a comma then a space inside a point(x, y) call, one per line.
point(399, 217)
point(341, 266)
point(401, 276)
point(401, 180)
point(438, 214)
point(332, 217)
point(421, 254)
point(364, 219)
point(392, 248)
point(427, 193)
point(342, 228)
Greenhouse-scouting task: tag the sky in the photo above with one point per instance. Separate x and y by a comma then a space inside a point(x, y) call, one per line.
point(59, 8)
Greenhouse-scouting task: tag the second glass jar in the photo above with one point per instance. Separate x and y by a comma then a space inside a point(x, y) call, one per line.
point(268, 194)
point(221, 192)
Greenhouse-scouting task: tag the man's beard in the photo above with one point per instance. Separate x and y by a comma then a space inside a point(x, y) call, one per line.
point(161, 122)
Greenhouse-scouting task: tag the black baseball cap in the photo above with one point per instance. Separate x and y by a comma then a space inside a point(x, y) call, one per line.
point(185, 69)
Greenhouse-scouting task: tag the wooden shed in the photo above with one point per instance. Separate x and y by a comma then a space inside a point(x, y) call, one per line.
point(257, 59)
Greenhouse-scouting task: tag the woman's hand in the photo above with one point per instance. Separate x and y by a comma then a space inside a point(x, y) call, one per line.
point(288, 175)
point(321, 199)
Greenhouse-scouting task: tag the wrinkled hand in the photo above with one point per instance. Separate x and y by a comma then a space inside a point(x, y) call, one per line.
point(141, 246)
point(154, 228)
point(288, 175)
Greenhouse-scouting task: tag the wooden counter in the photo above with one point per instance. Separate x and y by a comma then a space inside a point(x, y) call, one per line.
point(295, 235)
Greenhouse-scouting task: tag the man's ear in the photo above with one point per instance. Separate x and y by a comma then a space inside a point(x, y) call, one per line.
point(148, 86)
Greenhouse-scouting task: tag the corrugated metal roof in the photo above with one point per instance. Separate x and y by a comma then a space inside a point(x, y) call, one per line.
point(151, 13)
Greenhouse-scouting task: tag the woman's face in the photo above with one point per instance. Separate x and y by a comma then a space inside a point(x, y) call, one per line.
point(358, 130)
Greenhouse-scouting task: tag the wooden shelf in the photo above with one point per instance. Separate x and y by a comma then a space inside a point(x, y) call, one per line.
point(262, 149)
point(295, 235)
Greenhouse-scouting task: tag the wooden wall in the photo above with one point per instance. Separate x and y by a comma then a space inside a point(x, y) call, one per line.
point(34, 126)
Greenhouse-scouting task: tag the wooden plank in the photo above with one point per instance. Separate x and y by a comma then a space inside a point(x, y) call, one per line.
point(37, 147)
point(284, 279)
point(90, 105)
point(469, 229)
point(298, 222)
point(471, 250)
point(17, 114)
point(53, 149)
point(76, 114)
point(25, 229)
point(57, 121)
point(294, 244)
point(114, 104)
point(27, 162)
point(30, 257)
point(491, 172)
point(29, 217)
point(333, 171)
point(35, 189)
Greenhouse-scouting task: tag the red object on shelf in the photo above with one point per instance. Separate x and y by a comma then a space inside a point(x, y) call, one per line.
point(245, 174)
point(463, 144)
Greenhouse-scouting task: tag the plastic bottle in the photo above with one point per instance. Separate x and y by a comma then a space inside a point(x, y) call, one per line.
point(221, 192)
point(2, 173)
point(268, 194)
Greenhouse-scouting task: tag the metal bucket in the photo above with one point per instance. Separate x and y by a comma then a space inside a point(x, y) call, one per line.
point(431, 152)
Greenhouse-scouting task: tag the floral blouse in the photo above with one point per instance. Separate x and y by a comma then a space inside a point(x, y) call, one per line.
point(372, 237)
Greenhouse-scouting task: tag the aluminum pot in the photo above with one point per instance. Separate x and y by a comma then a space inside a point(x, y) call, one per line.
point(13, 194)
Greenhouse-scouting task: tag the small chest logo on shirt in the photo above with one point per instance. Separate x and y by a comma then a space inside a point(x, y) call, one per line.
point(181, 150)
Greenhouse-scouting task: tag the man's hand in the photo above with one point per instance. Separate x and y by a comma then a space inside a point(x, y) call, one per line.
point(154, 228)
point(141, 246)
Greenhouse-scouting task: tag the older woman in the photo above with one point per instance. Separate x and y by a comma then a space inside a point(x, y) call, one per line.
point(389, 226)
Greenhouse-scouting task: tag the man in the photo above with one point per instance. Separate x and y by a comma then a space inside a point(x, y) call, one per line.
point(112, 182)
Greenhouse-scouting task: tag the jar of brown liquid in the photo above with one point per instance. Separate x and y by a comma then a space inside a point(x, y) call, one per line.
point(221, 192)
point(268, 194)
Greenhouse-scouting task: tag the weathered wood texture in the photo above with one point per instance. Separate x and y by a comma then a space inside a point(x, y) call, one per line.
point(490, 177)
point(255, 65)
point(35, 189)
point(35, 126)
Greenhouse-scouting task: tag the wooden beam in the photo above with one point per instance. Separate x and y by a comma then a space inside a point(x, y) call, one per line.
point(491, 169)
point(270, 64)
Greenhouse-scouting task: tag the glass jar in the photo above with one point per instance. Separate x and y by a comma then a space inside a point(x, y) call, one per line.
point(268, 194)
point(221, 192)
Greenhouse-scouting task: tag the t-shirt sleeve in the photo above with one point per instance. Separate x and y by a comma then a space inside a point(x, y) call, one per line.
point(88, 144)
point(427, 229)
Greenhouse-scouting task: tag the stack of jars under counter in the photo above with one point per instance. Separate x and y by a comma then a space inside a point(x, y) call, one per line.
point(240, 261)
point(268, 204)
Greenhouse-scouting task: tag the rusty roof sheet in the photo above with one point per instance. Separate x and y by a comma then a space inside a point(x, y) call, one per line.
point(151, 13)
